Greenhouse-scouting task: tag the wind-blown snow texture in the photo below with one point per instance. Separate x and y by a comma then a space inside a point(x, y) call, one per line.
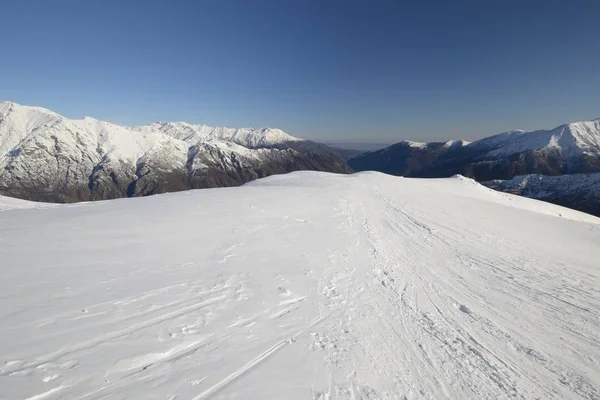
point(307, 285)
point(47, 157)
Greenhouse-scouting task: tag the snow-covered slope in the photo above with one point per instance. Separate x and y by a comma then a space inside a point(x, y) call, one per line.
point(572, 140)
point(568, 149)
point(8, 203)
point(247, 137)
point(306, 285)
point(45, 156)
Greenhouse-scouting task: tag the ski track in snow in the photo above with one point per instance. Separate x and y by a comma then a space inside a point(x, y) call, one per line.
point(307, 286)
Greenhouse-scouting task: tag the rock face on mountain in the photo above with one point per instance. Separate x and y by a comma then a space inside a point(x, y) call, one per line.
point(47, 157)
point(578, 191)
point(567, 149)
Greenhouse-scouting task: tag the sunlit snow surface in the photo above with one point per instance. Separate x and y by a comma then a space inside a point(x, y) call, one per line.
point(303, 286)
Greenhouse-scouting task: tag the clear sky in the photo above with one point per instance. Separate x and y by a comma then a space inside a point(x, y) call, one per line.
point(347, 71)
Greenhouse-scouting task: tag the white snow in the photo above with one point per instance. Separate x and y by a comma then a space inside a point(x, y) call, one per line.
point(307, 285)
point(88, 137)
point(456, 143)
point(248, 137)
point(9, 203)
point(40, 148)
point(571, 139)
point(411, 143)
point(17, 122)
point(16, 119)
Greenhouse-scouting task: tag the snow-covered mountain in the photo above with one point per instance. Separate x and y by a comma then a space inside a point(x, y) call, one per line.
point(571, 140)
point(304, 286)
point(247, 137)
point(569, 148)
point(578, 191)
point(45, 156)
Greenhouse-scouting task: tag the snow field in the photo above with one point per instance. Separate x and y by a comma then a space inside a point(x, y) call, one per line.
point(306, 285)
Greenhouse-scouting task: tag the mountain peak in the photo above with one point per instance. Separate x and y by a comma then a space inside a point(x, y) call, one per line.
point(16, 106)
point(569, 148)
point(413, 144)
point(247, 137)
point(44, 156)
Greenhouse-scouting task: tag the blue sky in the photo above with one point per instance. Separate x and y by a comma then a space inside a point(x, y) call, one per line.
point(347, 71)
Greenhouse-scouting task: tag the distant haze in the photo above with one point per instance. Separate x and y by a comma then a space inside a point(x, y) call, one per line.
point(360, 146)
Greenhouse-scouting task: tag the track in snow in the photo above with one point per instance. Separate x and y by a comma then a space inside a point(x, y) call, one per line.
point(302, 286)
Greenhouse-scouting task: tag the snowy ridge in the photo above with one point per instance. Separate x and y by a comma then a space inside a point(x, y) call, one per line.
point(456, 143)
point(8, 203)
point(47, 157)
point(568, 149)
point(410, 143)
point(421, 145)
point(360, 286)
point(572, 140)
point(125, 143)
point(248, 137)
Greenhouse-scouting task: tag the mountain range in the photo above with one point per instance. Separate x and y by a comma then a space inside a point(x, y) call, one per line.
point(570, 150)
point(567, 149)
point(47, 157)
